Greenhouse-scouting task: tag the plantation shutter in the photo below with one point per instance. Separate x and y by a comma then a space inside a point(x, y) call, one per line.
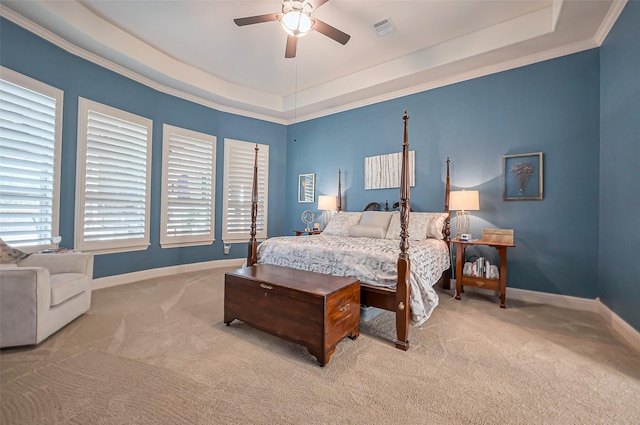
point(239, 160)
point(188, 187)
point(29, 160)
point(116, 180)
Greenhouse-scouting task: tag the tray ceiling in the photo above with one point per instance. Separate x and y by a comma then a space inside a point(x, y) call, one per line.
point(194, 50)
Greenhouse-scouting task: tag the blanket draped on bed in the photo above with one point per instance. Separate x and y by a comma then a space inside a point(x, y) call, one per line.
point(371, 260)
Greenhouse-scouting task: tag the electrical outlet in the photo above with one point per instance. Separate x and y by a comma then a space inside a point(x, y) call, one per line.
point(227, 249)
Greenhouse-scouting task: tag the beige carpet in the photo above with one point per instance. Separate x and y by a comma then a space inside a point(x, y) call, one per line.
point(157, 352)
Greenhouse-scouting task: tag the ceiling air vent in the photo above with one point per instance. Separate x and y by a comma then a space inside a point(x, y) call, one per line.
point(384, 27)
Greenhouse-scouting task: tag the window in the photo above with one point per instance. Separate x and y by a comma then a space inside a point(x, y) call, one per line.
point(239, 158)
point(113, 179)
point(188, 185)
point(30, 140)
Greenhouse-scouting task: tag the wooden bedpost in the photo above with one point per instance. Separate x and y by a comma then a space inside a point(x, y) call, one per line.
point(446, 281)
point(252, 255)
point(403, 287)
point(339, 200)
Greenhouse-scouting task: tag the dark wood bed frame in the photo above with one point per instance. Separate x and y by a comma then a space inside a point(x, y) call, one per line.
point(388, 299)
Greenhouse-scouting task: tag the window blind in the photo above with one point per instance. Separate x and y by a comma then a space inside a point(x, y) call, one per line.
point(238, 186)
point(114, 198)
point(188, 187)
point(29, 160)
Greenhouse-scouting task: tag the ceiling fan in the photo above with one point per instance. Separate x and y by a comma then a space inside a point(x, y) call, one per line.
point(297, 21)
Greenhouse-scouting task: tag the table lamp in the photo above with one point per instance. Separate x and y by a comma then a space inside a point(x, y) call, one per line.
point(326, 204)
point(463, 201)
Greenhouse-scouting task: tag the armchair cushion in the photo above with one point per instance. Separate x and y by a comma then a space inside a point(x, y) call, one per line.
point(66, 285)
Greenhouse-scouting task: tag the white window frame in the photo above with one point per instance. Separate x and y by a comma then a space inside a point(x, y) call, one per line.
point(44, 240)
point(231, 148)
point(168, 181)
point(112, 244)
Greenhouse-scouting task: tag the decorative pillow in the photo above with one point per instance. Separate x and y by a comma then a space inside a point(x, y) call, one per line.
point(10, 255)
point(422, 225)
point(436, 224)
point(417, 227)
point(362, 231)
point(341, 222)
point(377, 219)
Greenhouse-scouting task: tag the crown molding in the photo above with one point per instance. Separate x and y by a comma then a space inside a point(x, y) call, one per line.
point(457, 78)
point(609, 21)
point(111, 66)
point(335, 105)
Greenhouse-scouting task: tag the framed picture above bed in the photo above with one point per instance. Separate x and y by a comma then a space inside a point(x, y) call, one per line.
point(522, 177)
point(306, 188)
point(383, 171)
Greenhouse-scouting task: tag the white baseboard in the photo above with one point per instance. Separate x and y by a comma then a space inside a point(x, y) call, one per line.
point(626, 331)
point(564, 301)
point(121, 279)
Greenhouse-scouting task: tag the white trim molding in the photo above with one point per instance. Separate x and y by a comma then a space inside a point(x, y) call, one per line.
point(625, 330)
point(622, 328)
point(473, 55)
point(563, 301)
point(612, 16)
point(121, 279)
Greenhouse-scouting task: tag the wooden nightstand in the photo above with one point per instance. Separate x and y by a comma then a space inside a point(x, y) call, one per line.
point(307, 232)
point(482, 282)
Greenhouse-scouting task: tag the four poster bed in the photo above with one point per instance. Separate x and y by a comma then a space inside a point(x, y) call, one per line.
point(355, 244)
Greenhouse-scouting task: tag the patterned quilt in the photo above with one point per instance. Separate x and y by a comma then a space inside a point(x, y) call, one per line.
point(371, 260)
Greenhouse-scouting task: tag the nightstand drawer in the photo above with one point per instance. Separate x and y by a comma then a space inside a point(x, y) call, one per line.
point(479, 282)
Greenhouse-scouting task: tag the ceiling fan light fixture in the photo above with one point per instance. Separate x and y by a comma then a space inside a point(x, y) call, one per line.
point(296, 19)
point(296, 23)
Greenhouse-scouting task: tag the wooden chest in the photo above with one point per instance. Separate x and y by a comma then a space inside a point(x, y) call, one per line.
point(312, 309)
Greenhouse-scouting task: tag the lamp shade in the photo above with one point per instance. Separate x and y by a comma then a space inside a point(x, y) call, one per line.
point(327, 203)
point(464, 200)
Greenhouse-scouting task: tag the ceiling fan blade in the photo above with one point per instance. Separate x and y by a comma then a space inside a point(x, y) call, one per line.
point(250, 20)
point(316, 4)
point(292, 44)
point(331, 32)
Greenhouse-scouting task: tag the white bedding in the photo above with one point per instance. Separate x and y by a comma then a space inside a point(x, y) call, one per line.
point(371, 260)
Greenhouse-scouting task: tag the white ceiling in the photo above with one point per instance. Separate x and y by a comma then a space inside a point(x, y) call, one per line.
point(193, 49)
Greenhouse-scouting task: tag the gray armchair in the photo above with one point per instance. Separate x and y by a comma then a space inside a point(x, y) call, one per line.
point(41, 294)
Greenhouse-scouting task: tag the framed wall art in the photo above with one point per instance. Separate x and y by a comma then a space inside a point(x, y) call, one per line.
point(383, 171)
point(306, 188)
point(522, 177)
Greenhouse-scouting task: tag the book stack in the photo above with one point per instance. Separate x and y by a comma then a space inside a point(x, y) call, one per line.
point(479, 268)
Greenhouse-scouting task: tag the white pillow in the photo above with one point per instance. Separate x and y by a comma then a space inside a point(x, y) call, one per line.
point(422, 225)
point(436, 224)
point(417, 227)
point(341, 222)
point(362, 231)
point(377, 219)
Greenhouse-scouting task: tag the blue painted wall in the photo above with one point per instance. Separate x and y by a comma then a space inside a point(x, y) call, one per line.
point(579, 110)
point(28, 54)
point(551, 107)
point(619, 277)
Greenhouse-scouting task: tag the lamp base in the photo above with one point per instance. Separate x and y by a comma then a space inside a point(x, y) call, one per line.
point(462, 223)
